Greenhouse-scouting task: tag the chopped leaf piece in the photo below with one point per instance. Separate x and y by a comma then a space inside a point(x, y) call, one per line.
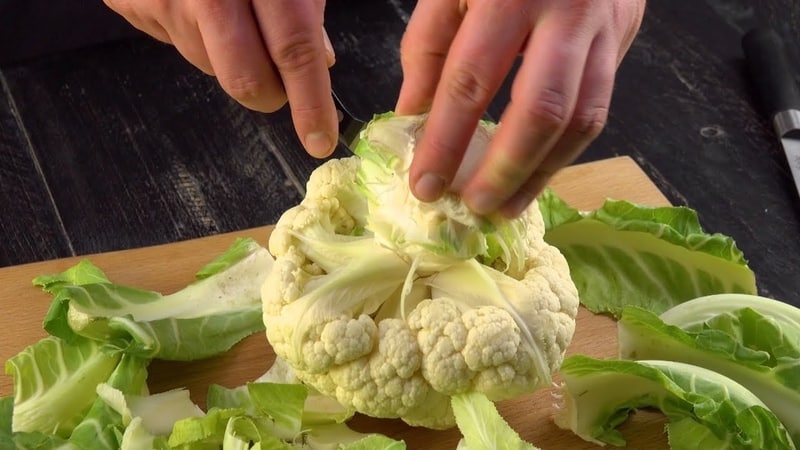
point(240, 433)
point(137, 437)
point(101, 426)
point(753, 340)
point(203, 319)
point(54, 383)
point(159, 412)
point(482, 425)
point(654, 257)
point(282, 403)
point(205, 432)
point(337, 436)
point(598, 395)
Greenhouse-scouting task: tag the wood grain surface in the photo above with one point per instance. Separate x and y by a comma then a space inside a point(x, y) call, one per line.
point(120, 143)
point(167, 268)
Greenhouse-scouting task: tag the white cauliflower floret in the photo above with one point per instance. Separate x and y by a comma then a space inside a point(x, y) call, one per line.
point(348, 339)
point(392, 321)
point(493, 338)
point(441, 336)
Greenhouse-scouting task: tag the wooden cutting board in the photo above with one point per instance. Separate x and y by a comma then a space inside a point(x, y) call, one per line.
point(167, 268)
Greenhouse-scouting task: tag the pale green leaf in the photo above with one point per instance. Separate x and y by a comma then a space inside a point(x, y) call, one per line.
point(482, 425)
point(54, 383)
point(599, 394)
point(654, 257)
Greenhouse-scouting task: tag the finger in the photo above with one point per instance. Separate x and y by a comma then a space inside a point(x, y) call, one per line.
point(543, 97)
point(588, 121)
point(169, 22)
point(628, 13)
point(481, 55)
point(423, 50)
point(147, 24)
point(180, 23)
point(330, 54)
point(238, 55)
point(293, 33)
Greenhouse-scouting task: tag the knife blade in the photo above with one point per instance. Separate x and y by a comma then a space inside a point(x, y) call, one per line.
point(350, 126)
point(777, 91)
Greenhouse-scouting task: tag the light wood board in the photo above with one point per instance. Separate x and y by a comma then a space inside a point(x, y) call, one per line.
point(167, 268)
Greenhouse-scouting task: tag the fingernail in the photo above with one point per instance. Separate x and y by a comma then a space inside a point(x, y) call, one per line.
point(483, 202)
point(318, 144)
point(329, 53)
point(429, 187)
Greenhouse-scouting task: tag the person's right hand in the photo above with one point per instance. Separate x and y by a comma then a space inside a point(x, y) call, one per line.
point(455, 56)
point(263, 53)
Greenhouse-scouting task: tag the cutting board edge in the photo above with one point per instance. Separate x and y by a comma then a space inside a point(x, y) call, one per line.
point(261, 233)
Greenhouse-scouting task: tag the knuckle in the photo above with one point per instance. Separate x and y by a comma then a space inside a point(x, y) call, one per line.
point(214, 10)
point(583, 9)
point(296, 52)
point(589, 121)
point(407, 43)
point(125, 8)
point(250, 91)
point(468, 88)
point(509, 170)
point(409, 49)
point(409, 53)
point(576, 12)
point(627, 19)
point(416, 55)
point(441, 147)
point(550, 110)
point(122, 7)
point(157, 11)
point(158, 8)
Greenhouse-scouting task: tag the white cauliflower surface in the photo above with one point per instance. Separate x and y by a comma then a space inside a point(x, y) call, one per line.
point(391, 305)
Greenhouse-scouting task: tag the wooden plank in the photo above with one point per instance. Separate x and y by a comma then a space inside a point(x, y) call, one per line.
point(167, 268)
point(139, 148)
point(27, 212)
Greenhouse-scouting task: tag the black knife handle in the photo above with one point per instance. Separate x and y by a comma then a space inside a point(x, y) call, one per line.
point(769, 70)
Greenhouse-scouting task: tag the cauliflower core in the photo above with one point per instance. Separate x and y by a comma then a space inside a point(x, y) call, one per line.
point(394, 333)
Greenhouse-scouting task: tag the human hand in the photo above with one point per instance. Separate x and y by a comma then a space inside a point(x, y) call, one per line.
point(455, 55)
point(263, 54)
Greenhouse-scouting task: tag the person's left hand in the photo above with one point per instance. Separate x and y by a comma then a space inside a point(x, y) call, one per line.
point(456, 54)
point(264, 53)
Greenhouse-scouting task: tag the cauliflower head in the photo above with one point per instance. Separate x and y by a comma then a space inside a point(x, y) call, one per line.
point(391, 305)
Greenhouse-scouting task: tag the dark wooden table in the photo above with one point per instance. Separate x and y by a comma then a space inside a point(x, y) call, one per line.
point(109, 140)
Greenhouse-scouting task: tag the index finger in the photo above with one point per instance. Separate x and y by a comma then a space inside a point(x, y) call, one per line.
point(481, 55)
point(238, 56)
point(543, 99)
point(423, 51)
point(292, 31)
